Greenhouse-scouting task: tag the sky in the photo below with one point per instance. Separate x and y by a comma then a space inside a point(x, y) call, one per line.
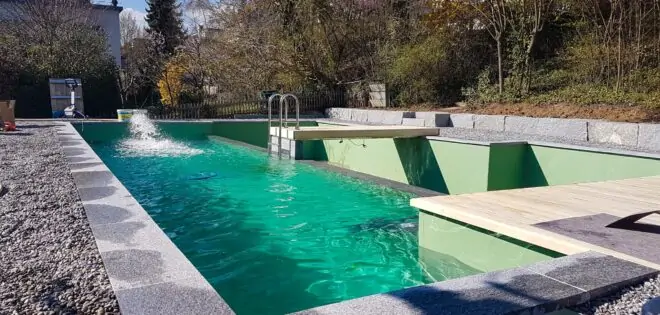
point(138, 9)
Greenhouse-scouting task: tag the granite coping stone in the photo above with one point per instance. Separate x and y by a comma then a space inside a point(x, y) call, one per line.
point(536, 289)
point(613, 132)
point(186, 296)
point(434, 119)
point(489, 122)
point(148, 273)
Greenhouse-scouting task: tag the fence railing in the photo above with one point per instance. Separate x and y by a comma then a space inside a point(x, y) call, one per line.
point(315, 103)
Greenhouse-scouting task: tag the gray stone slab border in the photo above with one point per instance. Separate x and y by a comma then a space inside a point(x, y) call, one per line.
point(535, 289)
point(148, 273)
point(644, 137)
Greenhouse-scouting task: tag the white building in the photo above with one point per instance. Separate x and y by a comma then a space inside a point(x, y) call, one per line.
point(104, 16)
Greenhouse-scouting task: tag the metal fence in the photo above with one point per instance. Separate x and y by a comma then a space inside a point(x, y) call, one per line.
point(310, 103)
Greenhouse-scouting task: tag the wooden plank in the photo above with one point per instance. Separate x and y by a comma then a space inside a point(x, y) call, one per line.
point(513, 212)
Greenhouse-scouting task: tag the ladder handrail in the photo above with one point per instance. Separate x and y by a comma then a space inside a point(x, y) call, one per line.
point(286, 104)
point(284, 121)
point(270, 118)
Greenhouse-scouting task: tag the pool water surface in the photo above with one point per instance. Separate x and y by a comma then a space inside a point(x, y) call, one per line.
point(272, 236)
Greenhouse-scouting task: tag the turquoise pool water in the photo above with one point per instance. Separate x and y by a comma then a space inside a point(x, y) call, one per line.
point(272, 236)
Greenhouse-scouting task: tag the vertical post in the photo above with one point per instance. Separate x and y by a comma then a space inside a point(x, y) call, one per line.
point(279, 134)
point(270, 118)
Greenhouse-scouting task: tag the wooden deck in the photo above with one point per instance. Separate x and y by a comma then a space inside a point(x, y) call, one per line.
point(513, 212)
point(354, 132)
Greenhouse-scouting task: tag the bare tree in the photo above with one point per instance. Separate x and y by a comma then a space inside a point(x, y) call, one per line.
point(61, 35)
point(496, 17)
point(130, 28)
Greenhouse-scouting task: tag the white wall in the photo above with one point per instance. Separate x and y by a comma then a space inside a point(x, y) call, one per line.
point(108, 19)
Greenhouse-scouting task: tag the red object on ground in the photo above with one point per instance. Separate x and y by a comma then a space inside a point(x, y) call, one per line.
point(10, 126)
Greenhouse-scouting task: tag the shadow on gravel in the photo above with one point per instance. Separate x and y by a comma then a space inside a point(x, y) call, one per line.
point(50, 297)
point(15, 134)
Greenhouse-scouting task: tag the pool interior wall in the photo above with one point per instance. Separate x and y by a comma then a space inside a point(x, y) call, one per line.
point(442, 165)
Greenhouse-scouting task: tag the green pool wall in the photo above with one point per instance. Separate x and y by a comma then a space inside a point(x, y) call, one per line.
point(250, 132)
point(549, 166)
point(446, 166)
point(478, 251)
point(443, 166)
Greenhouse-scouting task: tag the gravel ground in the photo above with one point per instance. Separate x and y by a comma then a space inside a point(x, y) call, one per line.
point(49, 263)
point(627, 301)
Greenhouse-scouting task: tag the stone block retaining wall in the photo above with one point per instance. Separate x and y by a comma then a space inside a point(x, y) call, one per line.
point(639, 135)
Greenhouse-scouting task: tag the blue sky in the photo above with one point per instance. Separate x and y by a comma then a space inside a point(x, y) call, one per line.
point(139, 5)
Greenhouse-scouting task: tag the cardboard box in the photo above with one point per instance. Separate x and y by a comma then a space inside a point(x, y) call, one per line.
point(7, 112)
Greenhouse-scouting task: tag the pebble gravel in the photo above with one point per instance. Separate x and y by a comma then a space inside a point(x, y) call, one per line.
point(624, 302)
point(49, 262)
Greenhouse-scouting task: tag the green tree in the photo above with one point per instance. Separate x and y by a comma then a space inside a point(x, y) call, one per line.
point(164, 20)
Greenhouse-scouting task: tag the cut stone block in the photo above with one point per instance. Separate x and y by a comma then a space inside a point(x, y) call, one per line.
point(554, 127)
point(649, 136)
point(418, 122)
point(489, 122)
point(359, 115)
point(462, 120)
point(177, 297)
point(586, 270)
point(433, 119)
point(502, 292)
point(387, 117)
point(339, 113)
point(613, 132)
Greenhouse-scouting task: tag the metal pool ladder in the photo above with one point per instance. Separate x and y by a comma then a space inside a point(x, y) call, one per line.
point(284, 120)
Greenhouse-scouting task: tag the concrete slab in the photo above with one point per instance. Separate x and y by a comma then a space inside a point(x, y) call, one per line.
point(185, 296)
point(355, 132)
point(639, 239)
point(461, 121)
point(434, 119)
point(419, 122)
point(489, 122)
point(339, 113)
point(359, 115)
point(502, 292)
point(387, 117)
point(138, 253)
point(148, 273)
point(598, 274)
point(554, 127)
point(649, 136)
point(613, 132)
point(103, 213)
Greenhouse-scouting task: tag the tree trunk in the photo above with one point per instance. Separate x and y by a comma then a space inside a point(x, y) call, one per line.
point(619, 65)
point(500, 74)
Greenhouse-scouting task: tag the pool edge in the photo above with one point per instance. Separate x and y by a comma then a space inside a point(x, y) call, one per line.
point(538, 288)
point(130, 246)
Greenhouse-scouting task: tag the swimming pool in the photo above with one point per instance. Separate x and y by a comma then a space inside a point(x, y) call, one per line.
point(285, 234)
point(275, 236)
